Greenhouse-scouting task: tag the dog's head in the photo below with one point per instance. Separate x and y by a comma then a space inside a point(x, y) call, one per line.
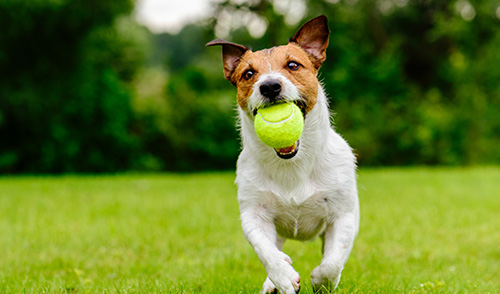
point(286, 72)
point(283, 73)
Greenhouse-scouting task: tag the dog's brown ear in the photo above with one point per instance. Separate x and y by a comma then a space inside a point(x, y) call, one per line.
point(231, 54)
point(313, 38)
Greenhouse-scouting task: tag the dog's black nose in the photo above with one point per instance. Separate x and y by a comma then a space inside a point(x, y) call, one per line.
point(270, 89)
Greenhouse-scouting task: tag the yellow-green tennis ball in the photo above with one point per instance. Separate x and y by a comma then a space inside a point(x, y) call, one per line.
point(279, 125)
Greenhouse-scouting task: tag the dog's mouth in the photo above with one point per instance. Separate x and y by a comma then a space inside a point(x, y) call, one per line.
point(288, 152)
point(291, 151)
point(300, 103)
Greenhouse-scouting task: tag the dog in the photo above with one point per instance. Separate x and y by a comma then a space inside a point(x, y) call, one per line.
point(303, 191)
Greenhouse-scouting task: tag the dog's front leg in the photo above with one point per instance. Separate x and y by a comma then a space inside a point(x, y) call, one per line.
point(260, 231)
point(337, 244)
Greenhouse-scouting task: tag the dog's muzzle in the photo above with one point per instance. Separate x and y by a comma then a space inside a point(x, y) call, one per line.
point(270, 89)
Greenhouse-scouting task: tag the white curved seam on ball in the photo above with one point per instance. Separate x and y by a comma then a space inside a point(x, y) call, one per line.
point(278, 122)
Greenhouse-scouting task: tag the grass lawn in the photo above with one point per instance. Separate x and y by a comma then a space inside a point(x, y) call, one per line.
point(422, 231)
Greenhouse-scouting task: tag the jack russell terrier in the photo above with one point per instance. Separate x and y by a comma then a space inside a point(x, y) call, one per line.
point(305, 190)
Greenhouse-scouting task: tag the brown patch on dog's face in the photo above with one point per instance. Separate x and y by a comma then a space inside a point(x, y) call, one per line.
point(291, 61)
point(298, 62)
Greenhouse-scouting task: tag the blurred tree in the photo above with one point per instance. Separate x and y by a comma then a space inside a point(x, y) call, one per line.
point(411, 81)
point(64, 98)
point(175, 52)
point(192, 125)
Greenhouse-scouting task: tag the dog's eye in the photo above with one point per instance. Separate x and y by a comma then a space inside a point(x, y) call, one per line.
point(248, 74)
point(292, 65)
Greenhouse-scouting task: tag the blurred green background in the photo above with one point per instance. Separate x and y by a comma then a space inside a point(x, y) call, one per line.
point(85, 88)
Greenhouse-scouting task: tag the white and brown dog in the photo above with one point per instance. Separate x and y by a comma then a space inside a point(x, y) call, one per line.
point(300, 192)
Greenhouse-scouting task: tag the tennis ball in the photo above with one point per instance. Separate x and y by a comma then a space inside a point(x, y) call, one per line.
point(279, 125)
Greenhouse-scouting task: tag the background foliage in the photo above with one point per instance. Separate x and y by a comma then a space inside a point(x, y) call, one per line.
point(64, 103)
point(85, 89)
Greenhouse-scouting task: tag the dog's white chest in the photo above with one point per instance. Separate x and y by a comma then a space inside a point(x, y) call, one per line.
point(300, 221)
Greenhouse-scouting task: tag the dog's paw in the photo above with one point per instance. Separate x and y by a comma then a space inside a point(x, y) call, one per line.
point(325, 279)
point(282, 278)
point(268, 287)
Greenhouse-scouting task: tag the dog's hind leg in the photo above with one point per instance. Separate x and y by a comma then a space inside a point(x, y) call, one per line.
point(337, 244)
point(260, 231)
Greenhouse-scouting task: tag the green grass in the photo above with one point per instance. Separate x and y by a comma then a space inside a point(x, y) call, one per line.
point(422, 231)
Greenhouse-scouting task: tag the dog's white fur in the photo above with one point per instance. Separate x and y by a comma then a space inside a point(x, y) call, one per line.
point(311, 194)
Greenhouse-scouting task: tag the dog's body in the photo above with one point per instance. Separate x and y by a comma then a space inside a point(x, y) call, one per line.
point(299, 192)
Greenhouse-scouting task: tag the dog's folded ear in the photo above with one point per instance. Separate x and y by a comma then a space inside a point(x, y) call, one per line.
point(231, 54)
point(313, 38)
